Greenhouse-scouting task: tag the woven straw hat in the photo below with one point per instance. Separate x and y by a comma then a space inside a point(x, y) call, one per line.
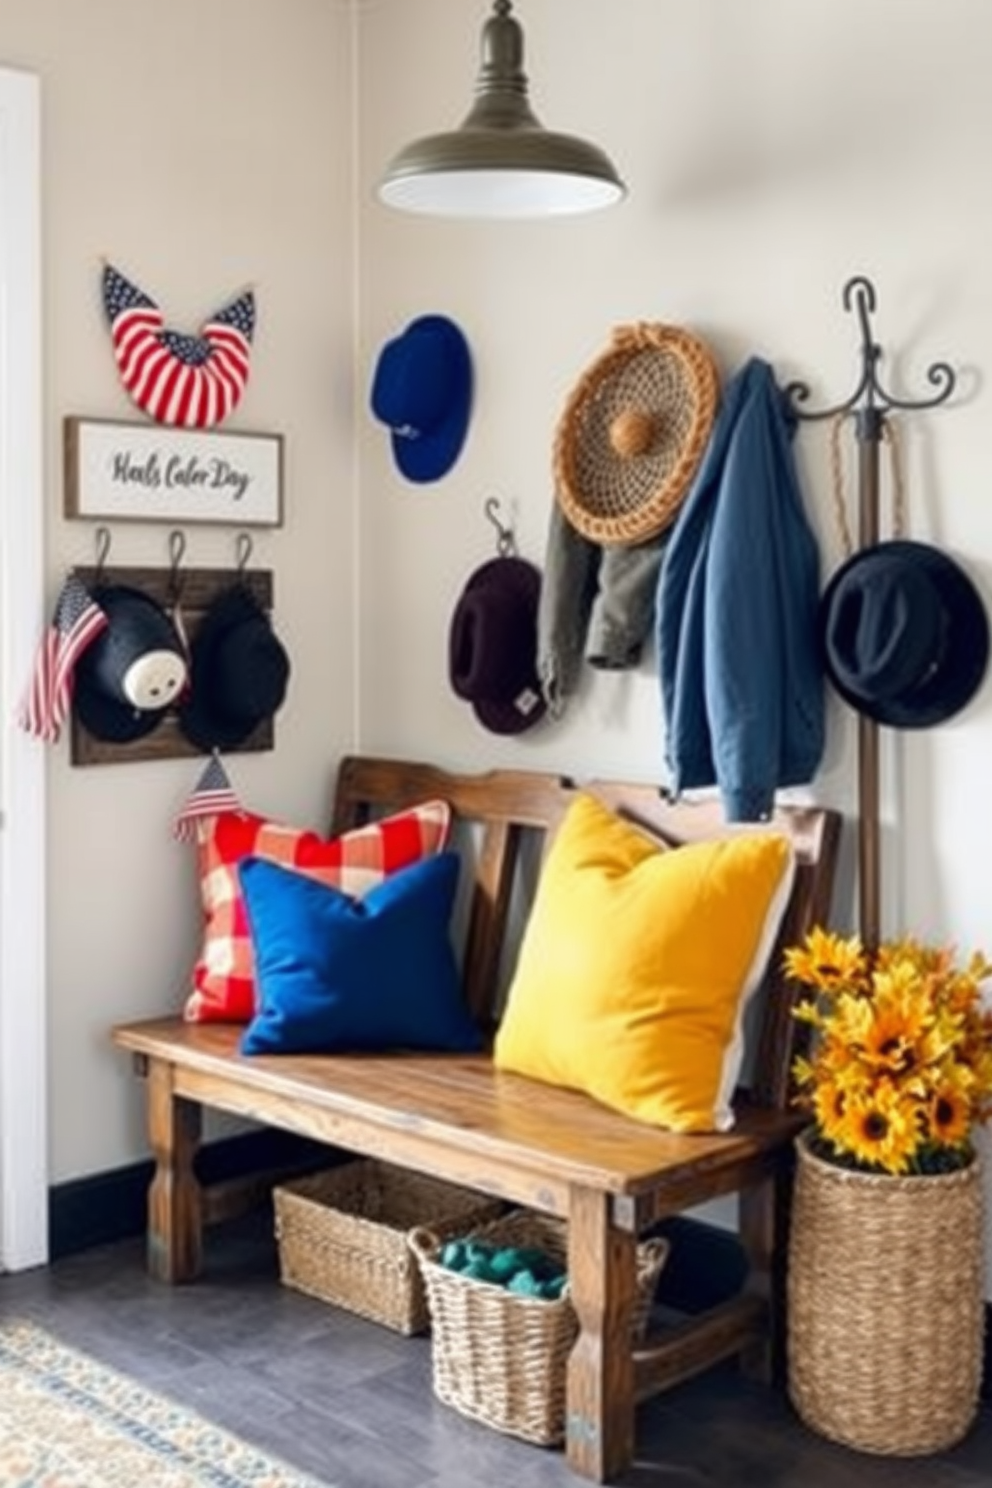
point(633, 432)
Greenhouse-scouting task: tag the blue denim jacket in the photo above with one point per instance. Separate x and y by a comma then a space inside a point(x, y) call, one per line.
point(741, 678)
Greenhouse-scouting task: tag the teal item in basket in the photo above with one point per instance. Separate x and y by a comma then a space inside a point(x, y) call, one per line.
point(526, 1284)
point(522, 1269)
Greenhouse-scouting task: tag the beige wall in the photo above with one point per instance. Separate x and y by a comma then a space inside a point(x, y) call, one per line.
point(201, 146)
point(772, 150)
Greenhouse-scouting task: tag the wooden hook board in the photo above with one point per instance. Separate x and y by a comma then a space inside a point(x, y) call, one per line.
point(198, 588)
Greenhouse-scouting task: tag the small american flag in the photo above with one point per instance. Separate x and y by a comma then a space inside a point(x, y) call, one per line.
point(212, 794)
point(77, 621)
point(192, 381)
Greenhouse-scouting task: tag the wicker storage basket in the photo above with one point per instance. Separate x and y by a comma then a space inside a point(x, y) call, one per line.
point(885, 1306)
point(342, 1236)
point(498, 1357)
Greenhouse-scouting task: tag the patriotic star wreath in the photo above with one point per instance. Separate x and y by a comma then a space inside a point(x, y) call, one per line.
point(191, 381)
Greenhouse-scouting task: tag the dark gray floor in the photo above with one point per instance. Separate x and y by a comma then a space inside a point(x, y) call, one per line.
point(351, 1402)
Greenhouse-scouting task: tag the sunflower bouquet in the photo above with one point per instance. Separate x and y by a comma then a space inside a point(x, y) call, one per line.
point(899, 1070)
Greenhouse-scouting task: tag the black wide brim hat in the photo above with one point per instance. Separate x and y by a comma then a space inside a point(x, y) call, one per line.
point(492, 646)
point(239, 672)
point(139, 650)
point(904, 634)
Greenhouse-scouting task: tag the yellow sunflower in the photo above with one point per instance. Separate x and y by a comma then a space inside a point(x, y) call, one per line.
point(976, 1054)
point(826, 961)
point(949, 1117)
point(961, 996)
point(899, 1065)
point(880, 1129)
point(837, 1061)
point(850, 1022)
point(894, 1035)
point(925, 961)
point(829, 1103)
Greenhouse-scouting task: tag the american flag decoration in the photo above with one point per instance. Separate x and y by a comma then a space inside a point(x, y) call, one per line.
point(76, 622)
point(212, 795)
point(191, 381)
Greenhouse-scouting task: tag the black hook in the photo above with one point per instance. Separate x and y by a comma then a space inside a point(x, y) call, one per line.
point(861, 292)
point(243, 549)
point(177, 547)
point(103, 540)
point(859, 295)
point(506, 543)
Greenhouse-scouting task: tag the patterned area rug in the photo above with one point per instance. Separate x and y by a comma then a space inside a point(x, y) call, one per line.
point(68, 1422)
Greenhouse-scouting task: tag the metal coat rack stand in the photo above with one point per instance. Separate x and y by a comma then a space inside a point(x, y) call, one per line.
point(869, 403)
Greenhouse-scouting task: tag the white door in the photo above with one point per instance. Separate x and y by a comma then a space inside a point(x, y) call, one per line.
point(23, 1104)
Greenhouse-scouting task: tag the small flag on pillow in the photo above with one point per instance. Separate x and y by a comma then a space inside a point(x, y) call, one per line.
point(77, 621)
point(212, 794)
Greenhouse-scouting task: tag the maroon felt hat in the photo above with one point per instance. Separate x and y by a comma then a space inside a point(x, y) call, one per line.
point(492, 645)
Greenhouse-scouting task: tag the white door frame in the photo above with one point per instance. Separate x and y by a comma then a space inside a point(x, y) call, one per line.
point(23, 1039)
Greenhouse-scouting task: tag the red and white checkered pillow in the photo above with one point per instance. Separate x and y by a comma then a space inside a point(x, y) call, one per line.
point(223, 978)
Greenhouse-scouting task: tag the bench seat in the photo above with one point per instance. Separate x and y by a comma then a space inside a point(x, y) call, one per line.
point(458, 1117)
point(555, 1150)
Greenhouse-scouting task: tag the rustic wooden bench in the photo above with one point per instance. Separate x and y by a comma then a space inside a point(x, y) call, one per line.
point(554, 1150)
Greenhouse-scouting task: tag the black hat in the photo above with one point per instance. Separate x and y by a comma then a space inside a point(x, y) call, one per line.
point(239, 672)
point(492, 645)
point(133, 672)
point(904, 633)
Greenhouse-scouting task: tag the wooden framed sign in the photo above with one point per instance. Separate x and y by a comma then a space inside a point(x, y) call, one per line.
point(157, 473)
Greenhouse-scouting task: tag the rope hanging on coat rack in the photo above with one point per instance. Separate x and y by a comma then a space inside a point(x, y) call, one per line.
point(869, 403)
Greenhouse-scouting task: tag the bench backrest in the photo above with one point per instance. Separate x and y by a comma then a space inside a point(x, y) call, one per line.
point(505, 805)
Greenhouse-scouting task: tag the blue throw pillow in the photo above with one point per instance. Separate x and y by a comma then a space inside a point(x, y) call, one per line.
point(336, 974)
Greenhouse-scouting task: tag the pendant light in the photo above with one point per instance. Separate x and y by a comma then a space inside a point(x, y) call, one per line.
point(501, 162)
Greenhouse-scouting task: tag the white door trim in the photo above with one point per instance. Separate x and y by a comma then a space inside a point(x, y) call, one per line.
point(23, 1038)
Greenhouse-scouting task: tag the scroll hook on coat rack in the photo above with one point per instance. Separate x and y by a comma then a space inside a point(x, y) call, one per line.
point(859, 295)
point(506, 542)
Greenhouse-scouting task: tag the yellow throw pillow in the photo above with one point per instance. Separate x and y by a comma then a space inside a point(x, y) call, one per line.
point(637, 963)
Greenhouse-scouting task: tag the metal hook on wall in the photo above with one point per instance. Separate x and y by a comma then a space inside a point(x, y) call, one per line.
point(506, 542)
point(102, 540)
point(243, 549)
point(177, 547)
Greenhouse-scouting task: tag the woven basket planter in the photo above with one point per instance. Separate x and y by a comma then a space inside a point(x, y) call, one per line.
point(498, 1357)
point(885, 1306)
point(342, 1236)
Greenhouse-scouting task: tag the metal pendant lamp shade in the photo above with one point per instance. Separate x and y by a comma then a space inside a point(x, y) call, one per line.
point(501, 162)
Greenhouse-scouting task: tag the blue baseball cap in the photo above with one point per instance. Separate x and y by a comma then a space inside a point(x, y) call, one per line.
point(422, 390)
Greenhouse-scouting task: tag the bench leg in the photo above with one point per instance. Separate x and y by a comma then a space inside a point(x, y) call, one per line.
point(175, 1210)
point(600, 1391)
point(764, 1231)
